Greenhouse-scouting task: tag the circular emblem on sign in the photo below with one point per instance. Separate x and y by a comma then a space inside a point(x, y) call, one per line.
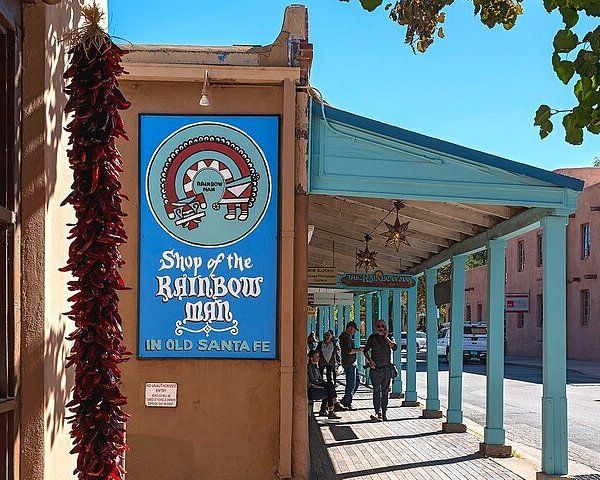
point(208, 184)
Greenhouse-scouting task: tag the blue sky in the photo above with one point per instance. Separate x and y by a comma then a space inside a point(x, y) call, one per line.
point(476, 87)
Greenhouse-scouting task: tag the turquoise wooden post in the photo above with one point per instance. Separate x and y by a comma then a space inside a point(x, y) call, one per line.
point(323, 316)
point(368, 324)
point(383, 297)
point(554, 397)
point(454, 414)
point(493, 444)
point(432, 406)
point(396, 322)
point(346, 319)
point(331, 320)
point(359, 357)
point(410, 396)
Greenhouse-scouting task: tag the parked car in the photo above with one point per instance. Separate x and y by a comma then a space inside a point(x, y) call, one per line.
point(421, 341)
point(474, 342)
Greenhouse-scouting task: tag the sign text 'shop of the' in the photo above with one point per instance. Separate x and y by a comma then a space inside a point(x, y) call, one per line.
point(208, 247)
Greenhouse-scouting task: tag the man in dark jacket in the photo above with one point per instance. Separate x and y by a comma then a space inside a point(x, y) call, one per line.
point(349, 351)
point(378, 352)
point(319, 389)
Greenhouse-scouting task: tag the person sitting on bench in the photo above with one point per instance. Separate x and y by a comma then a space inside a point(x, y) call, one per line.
point(319, 389)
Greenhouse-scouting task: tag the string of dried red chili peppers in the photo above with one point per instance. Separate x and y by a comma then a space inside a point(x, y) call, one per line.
point(98, 421)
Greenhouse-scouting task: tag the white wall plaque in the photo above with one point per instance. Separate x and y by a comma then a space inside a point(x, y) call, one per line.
point(161, 394)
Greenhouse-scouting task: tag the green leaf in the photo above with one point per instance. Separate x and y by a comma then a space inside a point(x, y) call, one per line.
point(370, 5)
point(586, 63)
point(573, 133)
point(550, 5)
point(565, 41)
point(569, 16)
point(542, 114)
point(594, 38)
point(564, 70)
point(546, 129)
point(581, 88)
point(594, 125)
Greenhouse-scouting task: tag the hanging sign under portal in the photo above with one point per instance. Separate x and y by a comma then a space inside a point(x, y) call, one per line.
point(208, 228)
point(377, 279)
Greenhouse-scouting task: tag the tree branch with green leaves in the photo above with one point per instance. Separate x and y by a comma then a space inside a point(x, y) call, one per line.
point(574, 59)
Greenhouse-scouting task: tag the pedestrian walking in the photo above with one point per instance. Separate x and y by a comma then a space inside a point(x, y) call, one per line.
point(319, 389)
point(329, 357)
point(349, 351)
point(378, 352)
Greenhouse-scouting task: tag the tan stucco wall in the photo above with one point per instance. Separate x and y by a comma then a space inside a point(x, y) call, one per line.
point(226, 424)
point(46, 179)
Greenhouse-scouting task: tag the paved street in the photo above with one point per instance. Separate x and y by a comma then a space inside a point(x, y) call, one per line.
point(523, 408)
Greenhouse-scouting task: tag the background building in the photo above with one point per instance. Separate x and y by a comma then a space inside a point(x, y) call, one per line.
point(524, 276)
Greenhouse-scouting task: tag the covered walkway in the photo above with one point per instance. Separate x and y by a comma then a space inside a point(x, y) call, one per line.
point(405, 447)
point(421, 203)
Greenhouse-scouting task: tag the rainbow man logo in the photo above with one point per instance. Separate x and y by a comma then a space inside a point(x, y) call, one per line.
point(208, 184)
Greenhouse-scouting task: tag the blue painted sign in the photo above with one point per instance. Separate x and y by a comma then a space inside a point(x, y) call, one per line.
point(208, 236)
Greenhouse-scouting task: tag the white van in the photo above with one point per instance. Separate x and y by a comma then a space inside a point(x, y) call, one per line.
point(474, 342)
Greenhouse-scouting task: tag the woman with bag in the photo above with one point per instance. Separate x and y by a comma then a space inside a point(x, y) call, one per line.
point(378, 352)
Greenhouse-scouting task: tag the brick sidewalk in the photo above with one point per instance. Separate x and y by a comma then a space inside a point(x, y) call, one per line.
point(405, 447)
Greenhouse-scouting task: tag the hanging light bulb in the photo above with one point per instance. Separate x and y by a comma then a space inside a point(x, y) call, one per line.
point(204, 100)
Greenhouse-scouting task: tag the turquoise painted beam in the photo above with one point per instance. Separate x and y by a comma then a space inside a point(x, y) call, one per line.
point(494, 420)
point(554, 397)
point(433, 397)
point(396, 323)
point(455, 414)
point(521, 223)
point(368, 323)
point(410, 396)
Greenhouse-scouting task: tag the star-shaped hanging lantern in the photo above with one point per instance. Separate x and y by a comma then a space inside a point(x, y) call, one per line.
point(398, 232)
point(366, 257)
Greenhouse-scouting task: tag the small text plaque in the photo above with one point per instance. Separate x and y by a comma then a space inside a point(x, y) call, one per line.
point(161, 395)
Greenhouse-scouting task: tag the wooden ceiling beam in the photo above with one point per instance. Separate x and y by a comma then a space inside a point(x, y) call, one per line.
point(457, 212)
point(501, 211)
point(350, 233)
point(318, 256)
point(383, 206)
point(341, 211)
point(351, 245)
point(324, 220)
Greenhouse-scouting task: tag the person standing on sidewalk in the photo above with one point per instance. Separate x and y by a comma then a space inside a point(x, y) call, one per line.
point(329, 357)
point(349, 351)
point(378, 352)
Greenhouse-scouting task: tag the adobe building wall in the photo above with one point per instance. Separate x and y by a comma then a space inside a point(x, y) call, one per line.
point(46, 179)
point(226, 423)
point(234, 418)
point(526, 340)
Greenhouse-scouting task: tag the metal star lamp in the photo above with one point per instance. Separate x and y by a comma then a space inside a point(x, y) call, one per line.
point(366, 257)
point(397, 232)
